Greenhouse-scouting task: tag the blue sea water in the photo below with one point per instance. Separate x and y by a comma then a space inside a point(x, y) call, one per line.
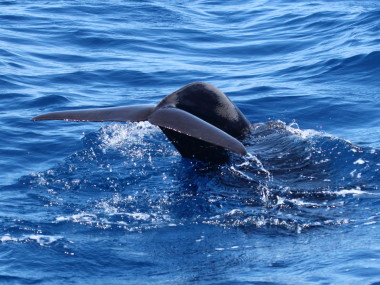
point(114, 203)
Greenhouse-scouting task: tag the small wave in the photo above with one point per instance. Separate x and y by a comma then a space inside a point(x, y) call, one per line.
point(359, 63)
point(8, 83)
point(358, 68)
point(48, 101)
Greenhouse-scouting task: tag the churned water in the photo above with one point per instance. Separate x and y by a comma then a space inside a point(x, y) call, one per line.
point(114, 203)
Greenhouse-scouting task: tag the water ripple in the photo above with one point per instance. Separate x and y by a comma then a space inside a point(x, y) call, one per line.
point(303, 206)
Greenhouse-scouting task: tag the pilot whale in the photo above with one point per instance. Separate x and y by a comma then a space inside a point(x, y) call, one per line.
point(199, 120)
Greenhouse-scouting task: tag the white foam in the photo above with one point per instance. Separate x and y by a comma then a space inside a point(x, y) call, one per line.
point(304, 134)
point(360, 161)
point(241, 173)
point(357, 191)
point(280, 200)
point(235, 212)
point(7, 237)
point(250, 158)
point(299, 202)
point(42, 240)
point(139, 216)
point(81, 217)
point(115, 135)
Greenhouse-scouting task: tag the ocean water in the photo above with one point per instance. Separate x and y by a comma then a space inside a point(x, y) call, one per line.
point(114, 203)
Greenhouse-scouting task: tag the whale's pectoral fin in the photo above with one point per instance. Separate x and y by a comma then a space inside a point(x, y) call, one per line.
point(188, 124)
point(134, 113)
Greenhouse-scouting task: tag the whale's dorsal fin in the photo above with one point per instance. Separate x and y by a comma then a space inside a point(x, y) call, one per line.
point(188, 124)
point(134, 113)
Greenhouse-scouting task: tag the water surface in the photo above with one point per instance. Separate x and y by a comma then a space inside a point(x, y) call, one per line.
point(114, 203)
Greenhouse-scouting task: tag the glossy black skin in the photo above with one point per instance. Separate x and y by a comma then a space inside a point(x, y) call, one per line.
point(211, 105)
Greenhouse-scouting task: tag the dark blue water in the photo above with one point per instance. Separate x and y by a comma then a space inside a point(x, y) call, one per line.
point(90, 203)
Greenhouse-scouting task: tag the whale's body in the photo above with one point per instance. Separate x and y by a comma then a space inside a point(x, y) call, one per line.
point(198, 119)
